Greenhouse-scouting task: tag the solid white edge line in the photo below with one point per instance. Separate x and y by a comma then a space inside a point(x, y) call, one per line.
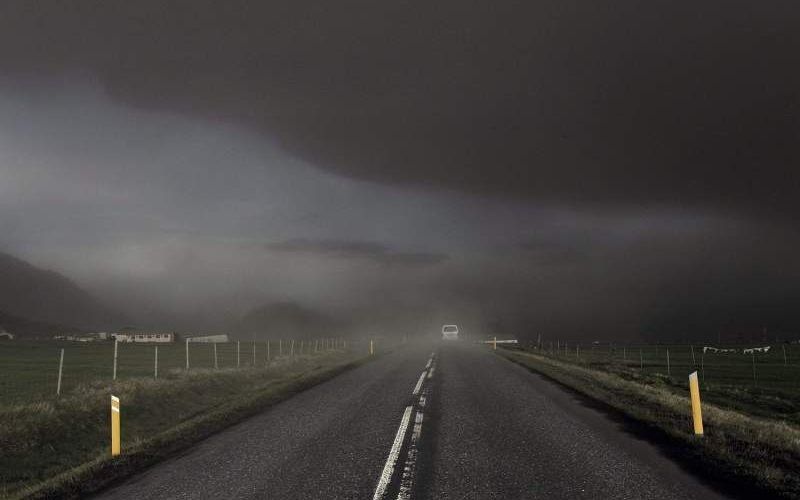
point(388, 469)
point(430, 372)
point(419, 384)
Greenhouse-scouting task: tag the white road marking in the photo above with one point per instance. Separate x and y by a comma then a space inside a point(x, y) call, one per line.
point(419, 383)
point(430, 372)
point(388, 469)
point(407, 481)
point(410, 469)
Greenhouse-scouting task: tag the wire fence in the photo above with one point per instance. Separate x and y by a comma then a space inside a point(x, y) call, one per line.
point(31, 370)
point(776, 367)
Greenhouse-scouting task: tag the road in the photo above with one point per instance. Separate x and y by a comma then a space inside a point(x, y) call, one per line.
point(427, 421)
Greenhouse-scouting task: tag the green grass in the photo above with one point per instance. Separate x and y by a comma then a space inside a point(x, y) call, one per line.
point(741, 448)
point(29, 369)
point(60, 446)
point(727, 380)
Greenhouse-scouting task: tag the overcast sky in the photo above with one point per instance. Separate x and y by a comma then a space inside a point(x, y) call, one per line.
point(580, 169)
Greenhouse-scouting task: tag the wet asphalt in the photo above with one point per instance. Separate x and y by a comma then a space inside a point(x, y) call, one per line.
point(491, 429)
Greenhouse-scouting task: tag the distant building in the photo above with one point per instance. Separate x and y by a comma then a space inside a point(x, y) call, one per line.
point(223, 337)
point(149, 337)
point(80, 337)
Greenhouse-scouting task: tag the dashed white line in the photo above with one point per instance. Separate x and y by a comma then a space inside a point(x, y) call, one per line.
point(409, 472)
point(407, 481)
point(388, 469)
point(419, 383)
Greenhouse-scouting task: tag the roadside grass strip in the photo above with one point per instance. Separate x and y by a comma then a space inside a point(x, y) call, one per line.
point(741, 450)
point(61, 448)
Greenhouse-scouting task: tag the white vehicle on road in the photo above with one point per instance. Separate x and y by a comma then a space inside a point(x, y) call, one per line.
point(449, 332)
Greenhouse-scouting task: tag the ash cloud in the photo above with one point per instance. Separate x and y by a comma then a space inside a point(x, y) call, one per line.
point(613, 169)
point(360, 250)
point(574, 102)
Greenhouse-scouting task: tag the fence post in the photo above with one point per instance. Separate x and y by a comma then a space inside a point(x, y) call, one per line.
point(697, 412)
point(693, 361)
point(115, 426)
point(494, 343)
point(114, 376)
point(624, 354)
point(238, 354)
point(267, 360)
point(784, 354)
point(216, 364)
point(280, 347)
point(703, 365)
point(254, 354)
point(669, 373)
point(371, 349)
point(291, 350)
point(187, 355)
point(60, 371)
point(155, 364)
point(641, 361)
point(753, 354)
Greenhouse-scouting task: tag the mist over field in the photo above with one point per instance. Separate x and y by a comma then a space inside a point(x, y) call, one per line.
point(556, 176)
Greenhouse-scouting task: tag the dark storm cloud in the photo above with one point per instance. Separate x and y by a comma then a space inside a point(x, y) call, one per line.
point(609, 168)
point(369, 251)
point(631, 103)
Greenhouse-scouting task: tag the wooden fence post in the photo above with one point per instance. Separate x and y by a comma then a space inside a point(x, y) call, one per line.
point(60, 371)
point(116, 344)
point(669, 372)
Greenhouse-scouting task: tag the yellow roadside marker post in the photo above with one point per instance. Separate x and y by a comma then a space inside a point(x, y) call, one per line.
point(114, 426)
point(697, 413)
point(371, 349)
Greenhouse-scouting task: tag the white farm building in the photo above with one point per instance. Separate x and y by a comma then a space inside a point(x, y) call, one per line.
point(223, 337)
point(144, 337)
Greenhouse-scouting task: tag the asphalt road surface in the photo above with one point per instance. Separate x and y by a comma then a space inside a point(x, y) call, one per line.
point(446, 420)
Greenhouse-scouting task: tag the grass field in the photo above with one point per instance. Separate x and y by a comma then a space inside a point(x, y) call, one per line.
point(29, 370)
point(58, 445)
point(752, 435)
point(762, 384)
